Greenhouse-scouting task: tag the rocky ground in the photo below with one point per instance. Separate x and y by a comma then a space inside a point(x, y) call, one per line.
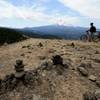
point(43, 80)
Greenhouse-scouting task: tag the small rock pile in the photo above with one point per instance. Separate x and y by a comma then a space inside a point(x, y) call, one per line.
point(29, 46)
point(59, 65)
point(55, 64)
point(11, 81)
point(72, 44)
point(40, 44)
point(19, 68)
point(57, 60)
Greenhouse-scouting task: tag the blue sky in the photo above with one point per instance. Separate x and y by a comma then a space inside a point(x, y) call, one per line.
point(30, 13)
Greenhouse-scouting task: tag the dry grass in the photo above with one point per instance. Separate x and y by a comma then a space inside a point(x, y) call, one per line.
point(75, 85)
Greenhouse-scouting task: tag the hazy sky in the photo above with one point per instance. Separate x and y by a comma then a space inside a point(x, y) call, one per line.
point(30, 13)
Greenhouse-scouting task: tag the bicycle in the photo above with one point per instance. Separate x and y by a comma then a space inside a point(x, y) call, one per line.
point(87, 37)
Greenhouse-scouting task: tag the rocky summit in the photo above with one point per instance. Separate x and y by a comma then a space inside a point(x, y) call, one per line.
point(44, 69)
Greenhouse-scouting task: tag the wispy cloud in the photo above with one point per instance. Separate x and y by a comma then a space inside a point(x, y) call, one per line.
point(7, 10)
point(90, 8)
point(35, 13)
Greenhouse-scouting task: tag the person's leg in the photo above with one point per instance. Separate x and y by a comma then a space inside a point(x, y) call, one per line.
point(91, 36)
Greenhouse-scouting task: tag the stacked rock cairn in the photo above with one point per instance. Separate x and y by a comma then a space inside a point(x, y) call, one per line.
point(19, 68)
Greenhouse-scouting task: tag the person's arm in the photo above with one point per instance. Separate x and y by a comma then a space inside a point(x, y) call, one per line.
point(89, 29)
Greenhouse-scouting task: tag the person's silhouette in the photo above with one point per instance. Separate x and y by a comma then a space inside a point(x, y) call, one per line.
point(92, 30)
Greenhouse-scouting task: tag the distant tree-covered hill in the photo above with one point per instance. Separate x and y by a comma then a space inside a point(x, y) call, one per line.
point(8, 35)
point(61, 31)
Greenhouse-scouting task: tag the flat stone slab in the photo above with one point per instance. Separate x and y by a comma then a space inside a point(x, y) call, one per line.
point(92, 78)
point(83, 71)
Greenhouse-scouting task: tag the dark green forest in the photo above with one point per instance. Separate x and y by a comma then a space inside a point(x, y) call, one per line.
point(10, 36)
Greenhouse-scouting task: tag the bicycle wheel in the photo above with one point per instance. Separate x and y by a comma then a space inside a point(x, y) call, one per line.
point(84, 38)
point(96, 38)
